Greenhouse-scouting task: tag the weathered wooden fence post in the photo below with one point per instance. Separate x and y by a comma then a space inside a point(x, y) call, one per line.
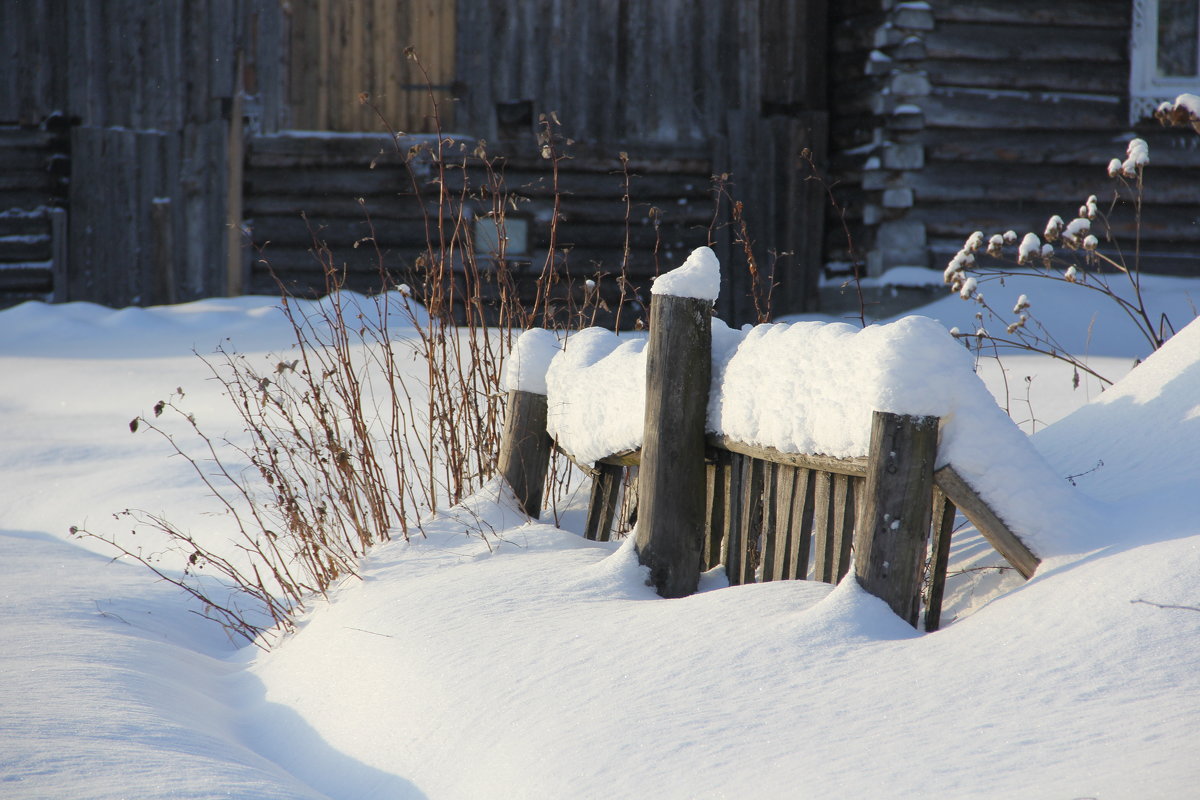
point(890, 537)
point(672, 504)
point(525, 449)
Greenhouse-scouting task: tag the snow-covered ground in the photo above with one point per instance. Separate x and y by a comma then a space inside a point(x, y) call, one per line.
point(538, 664)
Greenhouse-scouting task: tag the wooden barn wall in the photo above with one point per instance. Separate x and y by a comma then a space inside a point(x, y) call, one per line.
point(147, 101)
point(338, 51)
point(745, 80)
point(995, 116)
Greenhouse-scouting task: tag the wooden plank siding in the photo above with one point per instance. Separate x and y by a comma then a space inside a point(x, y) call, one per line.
point(340, 50)
point(1021, 107)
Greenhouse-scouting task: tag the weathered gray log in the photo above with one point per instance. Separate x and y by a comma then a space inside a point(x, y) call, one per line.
point(891, 533)
point(943, 527)
point(672, 481)
point(602, 508)
point(525, 449)
point(986, 521)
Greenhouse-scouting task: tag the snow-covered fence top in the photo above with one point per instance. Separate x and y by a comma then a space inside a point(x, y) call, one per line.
point(811, 388)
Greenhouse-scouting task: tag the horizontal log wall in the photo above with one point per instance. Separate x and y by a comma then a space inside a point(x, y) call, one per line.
point(324, 178)
point(34, 171)
point(993, 117)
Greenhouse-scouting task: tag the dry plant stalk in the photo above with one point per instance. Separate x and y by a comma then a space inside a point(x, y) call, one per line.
point(344, 443)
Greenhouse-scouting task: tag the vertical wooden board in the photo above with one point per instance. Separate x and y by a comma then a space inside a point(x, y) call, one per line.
point(602, 507)
point(844, 508)
point(750, 527)
point(801, 522)
point(59, 242)
point(735, 550)
point(823, 516)
point(717, 489)
point(769, 512)
point(943, 528)
point(785, 489)
point(325, 35)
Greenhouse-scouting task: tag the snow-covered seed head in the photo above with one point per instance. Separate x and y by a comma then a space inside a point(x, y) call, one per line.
point(969, 287)
point(1114, 168)
point(1076, 231)
point(995, 246)
point(1022, 304)
point(1054, 227)
point(1010, 237)
point(1089, 209)
point(1138, 156)
point(974, 242)
point(1090, 242)
point(1030, 246)
point(1071, 273)
point(1047, 255)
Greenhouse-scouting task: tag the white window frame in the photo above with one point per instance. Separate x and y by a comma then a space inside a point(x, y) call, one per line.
point(1147, 89)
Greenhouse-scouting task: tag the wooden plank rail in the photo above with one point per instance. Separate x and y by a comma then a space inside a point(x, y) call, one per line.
point(986, 521)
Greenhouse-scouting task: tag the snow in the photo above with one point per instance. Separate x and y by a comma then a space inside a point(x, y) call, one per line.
point(526, 365)
point(699, 277)
point(1189, 102)
point(505, 658)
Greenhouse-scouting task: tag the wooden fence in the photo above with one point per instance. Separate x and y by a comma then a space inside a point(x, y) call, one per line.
point(763, 513)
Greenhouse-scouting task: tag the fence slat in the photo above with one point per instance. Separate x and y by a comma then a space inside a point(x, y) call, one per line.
point(714, 530)
point(801, 521)
point(750, 526)
point(783, 489)
point(891, 534)
point(823, 523)
point(770, 518)
point(843, 524)
point(943, 527)
point(602, 507)
point(735, 551)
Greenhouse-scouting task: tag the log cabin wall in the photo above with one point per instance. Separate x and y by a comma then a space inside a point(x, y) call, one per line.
point(995, 116)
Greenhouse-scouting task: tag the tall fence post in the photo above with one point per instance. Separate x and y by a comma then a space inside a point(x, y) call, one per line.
point(890, 537)
point(672, 504)
point(525, 449)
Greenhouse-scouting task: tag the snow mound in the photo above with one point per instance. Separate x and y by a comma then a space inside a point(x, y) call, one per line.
point(698, 277)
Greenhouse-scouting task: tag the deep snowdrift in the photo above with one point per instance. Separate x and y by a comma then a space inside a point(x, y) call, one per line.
point(543, 666)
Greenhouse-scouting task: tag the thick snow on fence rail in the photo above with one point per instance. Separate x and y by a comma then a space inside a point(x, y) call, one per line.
point(810, 387)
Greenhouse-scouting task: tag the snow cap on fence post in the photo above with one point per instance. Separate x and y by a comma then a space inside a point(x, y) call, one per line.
point(699, 277)
point(672, 478)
